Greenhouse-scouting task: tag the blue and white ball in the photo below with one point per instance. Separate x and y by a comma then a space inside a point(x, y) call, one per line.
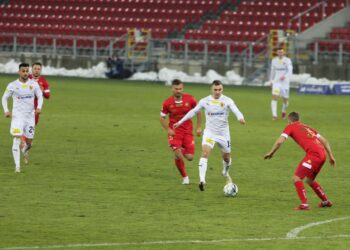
point(230, 190)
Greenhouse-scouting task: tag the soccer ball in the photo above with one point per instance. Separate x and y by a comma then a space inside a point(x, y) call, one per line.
point(230, 190)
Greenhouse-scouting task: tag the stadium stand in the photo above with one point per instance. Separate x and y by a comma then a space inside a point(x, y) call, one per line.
point(75, 22)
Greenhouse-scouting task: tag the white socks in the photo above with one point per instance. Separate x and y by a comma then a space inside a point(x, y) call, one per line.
point(203, 164)
point(284, 107)
point(226, 167)
point(16, 152)
point(274, 108)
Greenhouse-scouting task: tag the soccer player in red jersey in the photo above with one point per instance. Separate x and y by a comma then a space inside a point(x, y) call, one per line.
point(43, 83)
point(45, 88)
point(316, 147)
point(180, 139)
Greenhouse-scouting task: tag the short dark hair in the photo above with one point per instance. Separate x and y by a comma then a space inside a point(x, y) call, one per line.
point(294, 116)
point(176, 82)
point(37, 63)
point(23, 65)
point(216, 83)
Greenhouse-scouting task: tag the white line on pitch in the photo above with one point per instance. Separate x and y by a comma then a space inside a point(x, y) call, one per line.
point(294, 232)
point(171, 242)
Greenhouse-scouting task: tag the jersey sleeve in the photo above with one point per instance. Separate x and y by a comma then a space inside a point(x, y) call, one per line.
point(45, 88)
point(164, 110)
point(289, 68)
point(39, 95)
point(8, 92)
point(192, 112)
point(287, 131)
point(235, 110)
point(272, 73)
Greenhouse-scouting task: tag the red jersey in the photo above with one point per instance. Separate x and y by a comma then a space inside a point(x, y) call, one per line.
point(177, 110)
point(305, 136)
point(44, 85)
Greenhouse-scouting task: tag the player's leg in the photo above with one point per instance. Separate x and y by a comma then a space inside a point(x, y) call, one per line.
point(285, 97)
point(317, 164)
point(29, 131)
point(180, 165)
point(275, 94)
point(188, 149)
point(203, 165)
point(225, 147)
point(16, 131)
point(208, 144)
point(175, 143)
point(303, 170)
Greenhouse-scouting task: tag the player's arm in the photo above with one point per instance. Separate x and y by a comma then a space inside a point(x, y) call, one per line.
point(199, 123)
point(237, 113)
point(278, 143)
point(189, 115)
point(164, 123)
point(272, 73)
point(46, 89)
point(6, 95)
point(289, 69)
point(328, 149)
point(39, 94)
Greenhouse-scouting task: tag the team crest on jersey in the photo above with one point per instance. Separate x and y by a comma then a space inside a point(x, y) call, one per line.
point(171, 106)
point(222, 104)
point(31, 87)
point(187, 104)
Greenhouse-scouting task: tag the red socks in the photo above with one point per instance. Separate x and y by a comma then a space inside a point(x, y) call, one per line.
point(319, 191)
point(181, 167)
point(300, 188)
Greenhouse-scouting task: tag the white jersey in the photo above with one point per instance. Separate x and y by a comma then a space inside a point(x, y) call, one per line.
point(23, 97)
point(279, 68)
point(216, 114)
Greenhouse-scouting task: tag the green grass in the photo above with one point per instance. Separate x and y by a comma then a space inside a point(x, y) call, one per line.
point(101, 172)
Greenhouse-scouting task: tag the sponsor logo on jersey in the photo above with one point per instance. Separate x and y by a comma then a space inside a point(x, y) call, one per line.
point(215, 113)
point(25, 97)
point(16, 131)
point(210, 141)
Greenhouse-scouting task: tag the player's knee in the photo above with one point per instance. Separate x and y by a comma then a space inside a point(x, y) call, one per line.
point(296, 178)
point(189, 157)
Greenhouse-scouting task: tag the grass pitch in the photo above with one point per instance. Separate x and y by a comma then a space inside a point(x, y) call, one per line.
point(101, 175)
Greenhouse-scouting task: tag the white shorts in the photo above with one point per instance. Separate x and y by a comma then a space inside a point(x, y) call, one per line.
point(224, 142)
point(23, 125)
point(281, 90)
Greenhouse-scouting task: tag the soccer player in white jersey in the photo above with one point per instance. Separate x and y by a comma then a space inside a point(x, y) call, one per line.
point(23, 91)
point(217, 108)
point(281, 71)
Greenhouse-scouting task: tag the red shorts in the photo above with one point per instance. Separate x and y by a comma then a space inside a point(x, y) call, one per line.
point(182, 140)
point(311, 165)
